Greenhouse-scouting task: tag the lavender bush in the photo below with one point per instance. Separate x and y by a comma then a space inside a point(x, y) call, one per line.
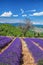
point(36, 52)
point(5, 41)
point(38, 41)
point(12, 55)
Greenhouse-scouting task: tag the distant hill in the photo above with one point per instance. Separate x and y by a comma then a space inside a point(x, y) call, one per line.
point(14, 24)
point(39, 26)
point(17, 24)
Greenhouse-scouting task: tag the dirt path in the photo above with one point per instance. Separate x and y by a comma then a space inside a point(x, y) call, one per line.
point(27, 56)
point(1, 51)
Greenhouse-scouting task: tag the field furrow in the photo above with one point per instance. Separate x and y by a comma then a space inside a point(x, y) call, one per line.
point(27, 56)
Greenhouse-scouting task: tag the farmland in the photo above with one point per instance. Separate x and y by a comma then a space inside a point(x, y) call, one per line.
point(20, 51)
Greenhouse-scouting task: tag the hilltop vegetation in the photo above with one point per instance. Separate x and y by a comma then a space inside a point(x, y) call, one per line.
point(9, 30)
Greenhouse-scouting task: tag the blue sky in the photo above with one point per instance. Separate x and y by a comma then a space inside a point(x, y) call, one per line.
point(12, 11)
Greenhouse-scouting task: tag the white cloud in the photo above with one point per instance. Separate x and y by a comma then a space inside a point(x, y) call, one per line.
point(37, 14)
point(38, 23)
point(6, 14)
point(24, 15)
point(22, 11)
point(31, 10)
point(15, 15)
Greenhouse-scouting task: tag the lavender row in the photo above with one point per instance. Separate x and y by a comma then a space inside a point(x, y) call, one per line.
point(36, 52)
point(5, 41)
point(38, 41)
point(12, 55)
point(2, 37)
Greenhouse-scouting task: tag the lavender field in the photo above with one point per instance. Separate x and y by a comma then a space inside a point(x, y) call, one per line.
point(13, 54)
point(36, 51)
